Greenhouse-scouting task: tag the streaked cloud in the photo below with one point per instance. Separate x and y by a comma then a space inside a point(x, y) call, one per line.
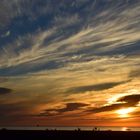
point(135, 73)
point(68, 107)
point(4, 91)
point(98, 87)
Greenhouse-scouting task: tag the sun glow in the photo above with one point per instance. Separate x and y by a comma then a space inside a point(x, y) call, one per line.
point(125, 112)
point(126, 129)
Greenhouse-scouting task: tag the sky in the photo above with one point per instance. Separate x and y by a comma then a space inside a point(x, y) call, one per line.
point(70, 62)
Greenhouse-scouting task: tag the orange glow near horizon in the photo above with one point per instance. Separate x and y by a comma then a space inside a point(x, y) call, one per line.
point(124, 129)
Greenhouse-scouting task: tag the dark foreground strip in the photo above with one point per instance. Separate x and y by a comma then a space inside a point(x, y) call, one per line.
point(66, 135)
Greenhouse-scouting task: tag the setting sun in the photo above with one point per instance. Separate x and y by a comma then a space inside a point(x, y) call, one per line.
point(124, 112)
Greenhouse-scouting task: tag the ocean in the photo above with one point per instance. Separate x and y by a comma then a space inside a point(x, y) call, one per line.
point(99, 128)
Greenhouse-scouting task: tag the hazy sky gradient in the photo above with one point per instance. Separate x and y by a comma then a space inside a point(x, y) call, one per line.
point(69, 62)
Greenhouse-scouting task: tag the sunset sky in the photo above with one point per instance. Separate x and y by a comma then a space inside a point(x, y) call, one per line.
point(70, 62)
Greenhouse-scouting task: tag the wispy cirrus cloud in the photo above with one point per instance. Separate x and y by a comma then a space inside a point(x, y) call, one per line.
point(98, 87)
point(95, 39)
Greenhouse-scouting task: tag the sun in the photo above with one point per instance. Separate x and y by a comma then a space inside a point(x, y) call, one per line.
point(125, 112)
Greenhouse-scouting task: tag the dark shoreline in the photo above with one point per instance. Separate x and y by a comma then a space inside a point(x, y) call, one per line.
point(62, 134)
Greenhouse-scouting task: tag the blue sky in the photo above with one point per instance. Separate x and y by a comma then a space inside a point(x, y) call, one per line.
point(63, 61)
